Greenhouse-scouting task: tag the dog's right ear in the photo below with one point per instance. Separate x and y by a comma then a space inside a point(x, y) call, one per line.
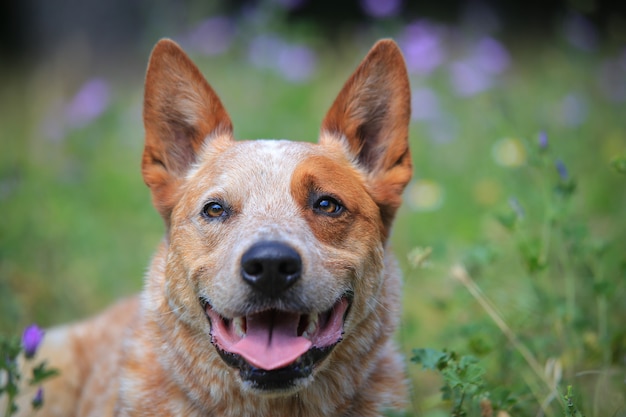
point(181, 112)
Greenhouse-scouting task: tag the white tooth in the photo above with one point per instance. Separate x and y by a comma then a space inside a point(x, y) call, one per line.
point(238, 325)
point(311, 326)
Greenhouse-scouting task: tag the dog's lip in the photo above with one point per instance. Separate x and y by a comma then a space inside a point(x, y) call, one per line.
point(278, 379)
point(275, 340)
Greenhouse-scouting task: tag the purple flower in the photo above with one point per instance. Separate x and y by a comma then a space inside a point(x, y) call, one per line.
point(52, 125)
point(31, 339)
point(580, 33)
point(516, 206)
point(262, 51)
point(443, 129)
point(424, 104)
point(467, 79)
point(421, 43)
point(478, 71)
point(37, 401)
point(478, 17)
point(297, 63)
point(211, 37)
point(90, 102)
point(381, 8)
point(491, 56)
point(543, 140)
point(612, 79)
point(290, 4)
point(574, 110)
point(562, 170)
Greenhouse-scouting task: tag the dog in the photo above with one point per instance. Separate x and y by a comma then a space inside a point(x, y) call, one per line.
point(273, 292)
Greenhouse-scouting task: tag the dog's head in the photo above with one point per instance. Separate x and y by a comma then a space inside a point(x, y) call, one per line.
point(275, 248)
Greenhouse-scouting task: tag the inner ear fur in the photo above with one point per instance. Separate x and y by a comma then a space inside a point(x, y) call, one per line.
point(181, 111)
point(371, 116)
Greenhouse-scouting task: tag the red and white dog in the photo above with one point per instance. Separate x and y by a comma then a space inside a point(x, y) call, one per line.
point(273, 292)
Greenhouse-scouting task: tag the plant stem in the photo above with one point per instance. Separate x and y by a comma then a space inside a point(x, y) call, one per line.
point(461, 275)
point(10, 396)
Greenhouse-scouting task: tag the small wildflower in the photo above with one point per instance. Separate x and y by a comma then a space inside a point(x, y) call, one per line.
point(418, 257)
point(290, 5)
point(443, 128)
point(478, 17)
point(612, 80)
point(562, 170)
point(468, 79)
point(619, 164)
point(486, 408)
point(297, 63)
point(213, 36)
point(424, 104)
point(31, 339)
point(543, 140)
point(423, 45)
point(381, 8)
point(566, 185)
point(516, 206)
point(580, 32)
point(37, 401)
point(89, 103)
point(509, 152)
point(574, 110)
point(490, 56)
point(487, 191)
point(425, 195)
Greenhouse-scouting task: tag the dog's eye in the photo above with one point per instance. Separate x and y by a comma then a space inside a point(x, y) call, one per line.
point(214, 210)
point(328, 205)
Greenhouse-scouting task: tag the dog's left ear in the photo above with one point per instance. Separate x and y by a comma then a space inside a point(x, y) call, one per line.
point(371, 116)
point(181, 112)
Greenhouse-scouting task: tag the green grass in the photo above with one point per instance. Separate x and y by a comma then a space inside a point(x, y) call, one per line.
point(78, 229)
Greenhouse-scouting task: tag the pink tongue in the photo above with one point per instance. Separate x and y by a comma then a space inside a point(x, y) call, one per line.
point(271, 340)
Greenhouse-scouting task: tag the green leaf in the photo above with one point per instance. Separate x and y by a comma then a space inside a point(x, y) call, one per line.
point(452, 378)
point(531, 253)
point(478, 257)
point(619, 164)
point(429, 358)
point(11, 389)
point(474, 375)
point(10, 348)
point(508, 219)
point(41, 373)
point(565, 188)
point(479, 344)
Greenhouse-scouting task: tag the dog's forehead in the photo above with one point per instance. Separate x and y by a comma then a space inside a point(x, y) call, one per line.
point(271, 152)
point(250, 169)
point(261, 159)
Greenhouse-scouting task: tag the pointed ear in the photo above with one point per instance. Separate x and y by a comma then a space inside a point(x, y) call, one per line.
point(370, 117)
point(181, 111)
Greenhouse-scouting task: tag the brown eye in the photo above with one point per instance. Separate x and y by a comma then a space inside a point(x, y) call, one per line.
point(328, 205)
point(214, 210)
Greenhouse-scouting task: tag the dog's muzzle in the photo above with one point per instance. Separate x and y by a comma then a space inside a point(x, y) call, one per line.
point(274, 348)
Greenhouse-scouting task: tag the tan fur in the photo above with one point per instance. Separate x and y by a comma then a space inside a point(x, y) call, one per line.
point(152, 355)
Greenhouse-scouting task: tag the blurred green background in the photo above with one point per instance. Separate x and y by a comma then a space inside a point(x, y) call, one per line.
point(519, 143)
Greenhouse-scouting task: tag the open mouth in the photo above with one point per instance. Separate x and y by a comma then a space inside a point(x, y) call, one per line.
point(274, 348)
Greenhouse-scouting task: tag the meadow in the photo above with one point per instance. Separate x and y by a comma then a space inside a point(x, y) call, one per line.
point(512, 237)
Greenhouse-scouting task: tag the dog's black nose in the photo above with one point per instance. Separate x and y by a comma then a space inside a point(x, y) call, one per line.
point(271, 267)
